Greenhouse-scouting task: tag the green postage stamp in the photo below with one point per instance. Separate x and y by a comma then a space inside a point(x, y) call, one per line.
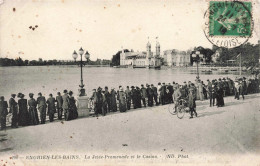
point(228, 23)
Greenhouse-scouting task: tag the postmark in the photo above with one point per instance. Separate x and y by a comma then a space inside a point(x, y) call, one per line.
point(228, 24)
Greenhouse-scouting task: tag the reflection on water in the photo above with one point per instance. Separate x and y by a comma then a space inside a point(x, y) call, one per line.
point(51, 79)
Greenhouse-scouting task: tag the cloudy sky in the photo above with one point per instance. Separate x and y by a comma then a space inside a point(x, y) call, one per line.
point(101, 27)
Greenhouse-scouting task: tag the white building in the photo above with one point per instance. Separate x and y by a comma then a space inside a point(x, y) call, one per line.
point(142, 59)
point(176, 58)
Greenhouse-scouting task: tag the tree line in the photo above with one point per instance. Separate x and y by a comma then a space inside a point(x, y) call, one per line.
point(20, 62)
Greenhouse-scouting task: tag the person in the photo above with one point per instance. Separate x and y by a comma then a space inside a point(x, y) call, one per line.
point(192, 103)
point(99, 102)
point(108, 99)
point(150, 96)
point(205, 93)
point(220, 96)
point(162, 93)
point(122, 100)
point(176, 96)
point(41, 102)
point(113, 100)
point(210, 93)
point(143, 95)
point(3, 112)
point(65, 104)
point(13, 110)
point(236, 89)
point(244, 87)
point(155, 94)
point(230, 86)
point(105, 105)
point(200, 89)
point(241, 88)
point(72, 107)
point(134, 96)
point(197, 89)
point(23, 115)
point(51, 107)
point(34, 120)
point(185, 89)
point(159, 88)
point(138, 97)
point(59, 105)
point(128, 97)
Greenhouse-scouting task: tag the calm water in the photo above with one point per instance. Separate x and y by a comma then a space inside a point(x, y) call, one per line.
point(51, 79)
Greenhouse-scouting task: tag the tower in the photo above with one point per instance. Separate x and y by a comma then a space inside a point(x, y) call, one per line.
point(157, 48)
point(148, 49)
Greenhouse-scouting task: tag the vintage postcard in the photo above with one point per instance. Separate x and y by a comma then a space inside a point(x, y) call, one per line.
point(129, 82)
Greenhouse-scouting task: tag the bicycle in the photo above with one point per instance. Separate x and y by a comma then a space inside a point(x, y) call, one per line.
point(182, 108)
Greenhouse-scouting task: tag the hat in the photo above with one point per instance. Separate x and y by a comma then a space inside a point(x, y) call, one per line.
point(13, 95)
point(19, 94)
point(223, 79)
point(151, 84)
point(207, 79)
point(184, 82)
point(70, 92)
point(219, 79)
point(65, 91)
point(244, 78)
point(2, 97)
point(99, 89)
point(142, 85)
point(132, 87)
point(31, 94)
point(39, 93)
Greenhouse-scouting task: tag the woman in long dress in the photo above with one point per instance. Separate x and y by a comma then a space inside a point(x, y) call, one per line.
point(72, 106)
point(23, 111)
point(34, 120)
point(113, 100)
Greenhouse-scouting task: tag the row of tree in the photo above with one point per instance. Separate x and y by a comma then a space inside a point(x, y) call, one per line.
point(20, 62)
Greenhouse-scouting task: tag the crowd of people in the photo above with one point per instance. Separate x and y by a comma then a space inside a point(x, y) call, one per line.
point(25, 112)
point(105, 101)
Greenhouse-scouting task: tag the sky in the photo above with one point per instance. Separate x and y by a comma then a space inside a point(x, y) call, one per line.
point(102, 27)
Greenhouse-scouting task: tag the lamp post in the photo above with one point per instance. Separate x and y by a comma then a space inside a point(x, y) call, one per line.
point(81, 64)
point(196, 57)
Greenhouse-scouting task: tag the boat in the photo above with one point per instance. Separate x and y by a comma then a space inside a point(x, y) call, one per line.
point(226, 71)
point(154, 67)
point(214, 69)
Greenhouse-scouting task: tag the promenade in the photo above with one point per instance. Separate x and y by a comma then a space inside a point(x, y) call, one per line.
point(230, 130)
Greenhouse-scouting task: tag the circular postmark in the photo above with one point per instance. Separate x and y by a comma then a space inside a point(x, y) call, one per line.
point(228, 24)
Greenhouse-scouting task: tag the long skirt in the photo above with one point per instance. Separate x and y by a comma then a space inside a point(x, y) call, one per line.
point(122, 106)
point(34, 120)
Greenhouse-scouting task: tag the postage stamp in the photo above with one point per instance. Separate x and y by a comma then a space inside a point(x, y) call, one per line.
point(228, 23)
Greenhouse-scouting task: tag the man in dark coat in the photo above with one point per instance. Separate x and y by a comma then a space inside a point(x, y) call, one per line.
point(14, 111)
point(51, 107)
point(134, 96)
point(162, 93)
point(128, 97)
point(99, 103)
point(155, 94)
point(170, 89)
point(138, 97)
point(108, 99)
point(244, 86)
point(143, 94)
point(113, 100)
point(3, 112)
point(210, 94)
point(59, 105)
point(65, 105)
point(150, 96)
point(41, 102)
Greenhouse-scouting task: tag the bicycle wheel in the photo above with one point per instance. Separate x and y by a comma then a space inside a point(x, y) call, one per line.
point(171, 109)
point(180, 112)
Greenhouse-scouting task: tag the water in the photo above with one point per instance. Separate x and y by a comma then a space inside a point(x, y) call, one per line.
point(53, 79)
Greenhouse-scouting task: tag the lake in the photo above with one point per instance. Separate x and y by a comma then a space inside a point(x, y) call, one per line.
point(53, 79)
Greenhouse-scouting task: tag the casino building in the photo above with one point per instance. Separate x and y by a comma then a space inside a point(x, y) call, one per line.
point(145, 59)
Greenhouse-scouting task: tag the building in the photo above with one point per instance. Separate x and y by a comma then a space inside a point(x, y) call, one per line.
point(176, 58)
point(143, 59)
